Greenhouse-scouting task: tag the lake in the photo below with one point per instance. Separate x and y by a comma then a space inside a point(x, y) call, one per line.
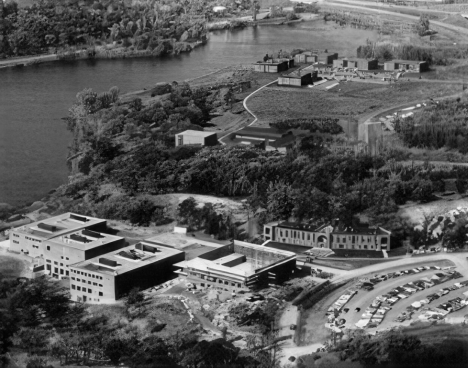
point(34, 99)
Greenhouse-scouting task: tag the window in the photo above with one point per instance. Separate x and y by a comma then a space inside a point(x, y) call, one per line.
point(267, 230)
point(61, 264)
point(341, 246)
point(61, 257)
point(384, 240)
point(94, 283)
point(73, 287)
point(15, 241)
point(100, 294)
point(89, 282)
point(48, 247)
point(49, 268)
point(16, 235)
point(78, 280)
point(67, 258)
point(73, 278)
point(100, 285)
point(48, 260)
point(56, 270)
point(78, 288)
point(67, 273)
point(55, 263)
point(89, 291)
point(61, 271)
point(93, 276)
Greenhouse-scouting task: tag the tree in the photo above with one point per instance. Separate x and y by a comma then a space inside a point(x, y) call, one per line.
point(134, 297)
point(457, 237)
point(188, 213)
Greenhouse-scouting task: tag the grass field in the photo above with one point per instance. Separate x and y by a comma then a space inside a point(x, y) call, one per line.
point(347, 99)
point(349, 264)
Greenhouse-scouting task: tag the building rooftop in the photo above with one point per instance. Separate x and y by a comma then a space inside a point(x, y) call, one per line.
point(128, 258)
point(361, 231)
point(270, 133)
point(58, 225)
point(84, 239)
point(196, 133)
point(405, 61)
point(243, 269)
point(297, 73)
point(300, 226)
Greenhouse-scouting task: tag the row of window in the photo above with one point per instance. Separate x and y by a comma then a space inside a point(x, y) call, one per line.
point(87, 274)
point(79, 288)
point(32, 239)
point(341, 246)
point(16, 241)
point(84, 282)
point(212, 279)
point(16, 235)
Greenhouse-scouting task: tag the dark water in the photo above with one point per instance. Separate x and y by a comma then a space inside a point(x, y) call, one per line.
point(33, 138)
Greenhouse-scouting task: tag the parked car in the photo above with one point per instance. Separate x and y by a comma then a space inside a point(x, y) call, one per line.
point(292, 327)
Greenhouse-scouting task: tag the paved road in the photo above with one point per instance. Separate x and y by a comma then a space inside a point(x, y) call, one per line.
point(352, 4)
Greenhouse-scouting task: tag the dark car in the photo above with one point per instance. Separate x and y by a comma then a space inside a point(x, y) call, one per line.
point(292, 327)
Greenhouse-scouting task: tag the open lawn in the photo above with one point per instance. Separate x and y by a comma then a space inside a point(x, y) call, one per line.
point(347, 99)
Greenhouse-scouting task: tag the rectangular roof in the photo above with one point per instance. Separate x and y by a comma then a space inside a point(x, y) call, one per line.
point(84, 239)
point(58, 225)
point(128, 258)
point(260, 132)
point(405, 61)
point(196, 133)
point(244, 269)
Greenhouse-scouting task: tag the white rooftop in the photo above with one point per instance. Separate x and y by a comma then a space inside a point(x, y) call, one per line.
point(196, 133)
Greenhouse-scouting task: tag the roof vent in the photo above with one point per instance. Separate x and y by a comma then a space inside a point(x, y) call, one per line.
point(78, 218)
point(108, 262)
point(47, 227)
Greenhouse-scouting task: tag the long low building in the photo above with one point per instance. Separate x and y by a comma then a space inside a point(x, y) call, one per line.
point(328, 236)
point(111, 276)
point(29, 239)
point(406, 65)
point(239, 266)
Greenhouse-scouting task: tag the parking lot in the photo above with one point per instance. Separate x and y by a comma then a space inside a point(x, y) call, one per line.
point(364, 299)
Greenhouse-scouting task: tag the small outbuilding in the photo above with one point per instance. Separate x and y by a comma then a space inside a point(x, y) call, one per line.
point(327, 58)
point(196, 137)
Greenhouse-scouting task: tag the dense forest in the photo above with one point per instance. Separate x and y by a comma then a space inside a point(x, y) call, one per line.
point(51, 25)
point(123, 155)
point(441, 125)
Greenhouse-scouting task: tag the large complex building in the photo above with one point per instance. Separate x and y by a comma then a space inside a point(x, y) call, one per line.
point(196, 137)
point(249, 135)
point(239, 266)
point(328, 236)
point(29, 239)
point(62, 251)
point(108, 277)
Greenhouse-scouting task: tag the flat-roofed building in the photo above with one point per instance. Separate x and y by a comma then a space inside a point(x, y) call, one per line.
point(29, 239)
point(328, 236)
point(273, 65)
point(239, 266)
point(196, 137)
point(406, 65)
point(64, 250)
point(298, 78)
point(111, 276)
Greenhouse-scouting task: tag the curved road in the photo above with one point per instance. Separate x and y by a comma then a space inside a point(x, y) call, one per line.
point(459, 259)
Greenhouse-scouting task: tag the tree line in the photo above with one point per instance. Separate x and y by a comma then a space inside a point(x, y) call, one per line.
point(442, 125)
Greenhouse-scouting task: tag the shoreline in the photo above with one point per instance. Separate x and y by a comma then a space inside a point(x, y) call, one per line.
point(101, 53)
